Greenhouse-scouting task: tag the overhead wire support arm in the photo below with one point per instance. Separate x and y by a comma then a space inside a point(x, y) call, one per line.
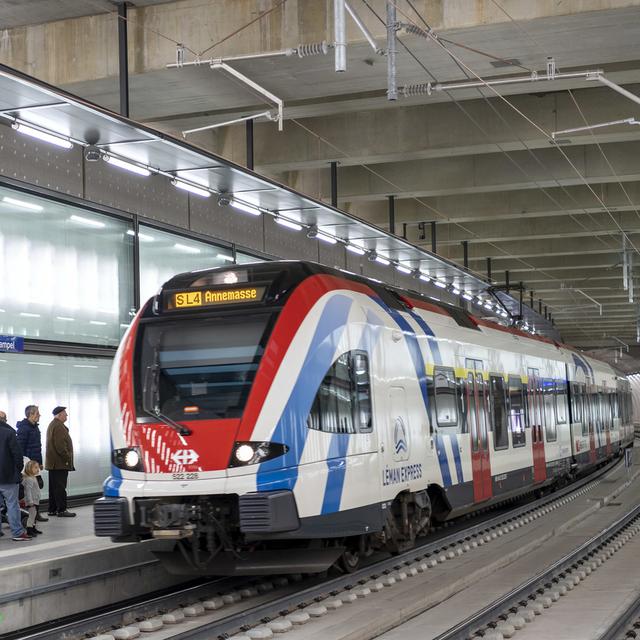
point(363, 28)
point(253, 85)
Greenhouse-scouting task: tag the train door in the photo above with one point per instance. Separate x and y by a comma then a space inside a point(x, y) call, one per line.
point(535, 418)
point(606, 419)
point(480, 461)
point(399, 440)
point(589, 412)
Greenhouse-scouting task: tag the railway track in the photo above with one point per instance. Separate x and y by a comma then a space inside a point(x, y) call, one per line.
point(257, 608)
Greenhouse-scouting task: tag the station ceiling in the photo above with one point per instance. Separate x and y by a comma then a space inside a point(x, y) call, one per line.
point(479, 162)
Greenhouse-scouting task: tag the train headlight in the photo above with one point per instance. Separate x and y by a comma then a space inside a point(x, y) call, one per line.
point(128, 459)
point(245, 453)
point(131, 459)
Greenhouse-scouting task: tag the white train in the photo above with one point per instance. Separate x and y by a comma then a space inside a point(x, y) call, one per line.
point(284, 416)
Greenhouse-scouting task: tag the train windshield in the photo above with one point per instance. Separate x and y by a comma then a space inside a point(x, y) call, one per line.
point(197, 369)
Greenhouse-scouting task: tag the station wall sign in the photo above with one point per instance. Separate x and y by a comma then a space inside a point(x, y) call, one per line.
point(11, 344)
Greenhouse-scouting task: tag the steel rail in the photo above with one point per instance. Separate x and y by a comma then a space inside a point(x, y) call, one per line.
point(526, 591)
point(624, 620)
point(248, 617)
point(240, 621)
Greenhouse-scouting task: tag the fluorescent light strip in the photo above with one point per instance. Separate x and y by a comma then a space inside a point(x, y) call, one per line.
point(326, 238)
point(51, 138)
point(187, 248)
point(191, 188)
point(356, 249)
point(223, 256)
point(440, 284)
point(98, 323)
point(467, 296)
point(88, 221)
point(488, 305)
point(247, 208)
point(85, 366)
point(141, 236)
point(65, 318)
point(41, 364)
point(402, 269)
point(26, 314)
point(425, 277)
point(455, 291)
point(21, 203)
point(127, 166)
point(290, 224)
point(383, 261)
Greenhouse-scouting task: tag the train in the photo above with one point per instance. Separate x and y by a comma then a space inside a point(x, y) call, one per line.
point(287, 417)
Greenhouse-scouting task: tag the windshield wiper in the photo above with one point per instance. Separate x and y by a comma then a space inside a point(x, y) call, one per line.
point(151, 394)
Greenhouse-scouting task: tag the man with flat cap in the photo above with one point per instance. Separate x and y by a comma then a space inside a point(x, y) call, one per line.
point(58, 462)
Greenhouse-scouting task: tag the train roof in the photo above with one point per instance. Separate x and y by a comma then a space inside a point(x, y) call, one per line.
point(282, 277)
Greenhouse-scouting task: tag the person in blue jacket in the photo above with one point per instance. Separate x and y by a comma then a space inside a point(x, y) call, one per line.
point(10, 478)
point(30, 440)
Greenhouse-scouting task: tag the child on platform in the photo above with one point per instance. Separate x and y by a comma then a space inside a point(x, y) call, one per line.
point(31, 494)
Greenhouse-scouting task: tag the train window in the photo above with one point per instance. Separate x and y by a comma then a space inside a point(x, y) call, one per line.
point(473, 364)
point(499, 413)
point(548, 398)
point(200, 369)
point(561, 401)
point(576, 403)
point(516, 412)
point(445, 394)
point(462, 406)
point(343, 401)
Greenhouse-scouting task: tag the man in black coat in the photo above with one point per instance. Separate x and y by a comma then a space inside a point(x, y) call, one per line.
point(10, 477)
point(30, 441)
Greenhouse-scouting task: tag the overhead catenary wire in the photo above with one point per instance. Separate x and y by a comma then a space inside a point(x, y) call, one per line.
point(580, 111)
point(534, 124)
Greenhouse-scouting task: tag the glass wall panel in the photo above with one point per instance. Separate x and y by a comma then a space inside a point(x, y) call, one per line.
point(164, 254)
point(80, 384)
point(243, 258)
point(66, 273)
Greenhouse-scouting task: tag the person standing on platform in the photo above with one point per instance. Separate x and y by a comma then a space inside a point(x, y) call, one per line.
point(10, 478)
point(31, 494)
point(58, 462)
point(30, 441)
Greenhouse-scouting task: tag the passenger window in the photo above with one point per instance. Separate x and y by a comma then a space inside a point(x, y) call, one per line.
point(473, 364)
point(462, 404)
point(445, 388)
point(499, 413)
point(343, 401)
point(561, 402)
point(548, 397)
point(516, 412)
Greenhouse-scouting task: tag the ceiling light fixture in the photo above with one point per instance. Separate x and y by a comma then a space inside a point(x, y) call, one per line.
point(382, 260)
point(224, 256)
point(21, 203)
point(354, 248)
point(290, 224)
point(87, 221)
point(126, 165)
point(425, 277)
point(45, 136)
point(402, 269)
point(246, 208)
point(325, 237)
point(467, 296)
point(191, 188)
point(440, 283)
point(455, 291)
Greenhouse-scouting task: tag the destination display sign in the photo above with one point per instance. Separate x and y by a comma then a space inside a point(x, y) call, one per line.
point(11, 344)
point(214, 297)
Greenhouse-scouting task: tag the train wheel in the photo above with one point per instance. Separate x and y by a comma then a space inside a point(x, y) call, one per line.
point(349, 560)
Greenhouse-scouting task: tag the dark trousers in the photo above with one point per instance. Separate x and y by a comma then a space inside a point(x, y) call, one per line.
point(58, 490)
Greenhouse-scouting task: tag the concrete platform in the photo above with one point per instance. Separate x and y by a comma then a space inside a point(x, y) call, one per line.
point(67, 570)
